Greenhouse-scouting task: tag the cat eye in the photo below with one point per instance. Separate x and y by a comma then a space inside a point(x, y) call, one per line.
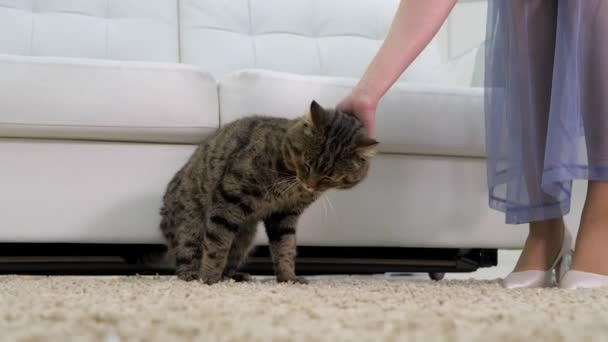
point(339, 179)
point(349, 181)
point(306, 167)
point(330, 180)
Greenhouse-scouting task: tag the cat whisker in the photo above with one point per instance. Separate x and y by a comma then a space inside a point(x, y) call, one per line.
point(287, 185)
point(292, 185)
point(282, 188)
point(278, 172)
point(324, 207)
point(276, 185)
point(331, 206)
point(280, 185)
point(281, 182)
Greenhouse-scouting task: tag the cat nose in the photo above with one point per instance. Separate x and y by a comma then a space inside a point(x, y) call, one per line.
point(313, 184)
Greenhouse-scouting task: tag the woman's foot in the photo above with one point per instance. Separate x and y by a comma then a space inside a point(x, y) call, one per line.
point(543, 244)
point(577, 279)
point(591, 252)
point(546, 243)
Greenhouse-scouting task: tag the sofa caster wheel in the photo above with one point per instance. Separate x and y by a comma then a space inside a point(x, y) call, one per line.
point(437, 276)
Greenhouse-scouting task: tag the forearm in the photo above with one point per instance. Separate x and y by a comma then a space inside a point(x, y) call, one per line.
point(415, 24)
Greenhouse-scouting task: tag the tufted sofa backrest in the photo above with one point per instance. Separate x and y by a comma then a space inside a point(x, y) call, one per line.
point(310, 37)
point(104, 29)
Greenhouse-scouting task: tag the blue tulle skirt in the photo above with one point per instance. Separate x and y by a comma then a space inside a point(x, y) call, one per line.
point(546, 103)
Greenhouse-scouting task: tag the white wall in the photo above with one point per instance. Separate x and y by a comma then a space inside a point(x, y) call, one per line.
point(464, 29)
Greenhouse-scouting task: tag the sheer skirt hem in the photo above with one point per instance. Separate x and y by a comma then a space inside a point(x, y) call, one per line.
point(557, 182)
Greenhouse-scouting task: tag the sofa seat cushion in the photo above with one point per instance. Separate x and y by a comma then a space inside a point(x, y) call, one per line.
point(411, 119)
point(63, 98)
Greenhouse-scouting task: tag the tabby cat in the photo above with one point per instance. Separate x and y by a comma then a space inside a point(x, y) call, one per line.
point(258, 169)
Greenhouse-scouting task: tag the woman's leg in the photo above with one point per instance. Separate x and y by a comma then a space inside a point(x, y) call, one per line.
point(591, 252)
point(532, 48)
point(592, 243)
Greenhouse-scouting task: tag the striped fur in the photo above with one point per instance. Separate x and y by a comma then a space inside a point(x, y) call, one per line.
point(252, 170)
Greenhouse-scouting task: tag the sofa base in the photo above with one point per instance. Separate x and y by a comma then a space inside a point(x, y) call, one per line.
point(374, 260)
point(109, 259)
point(109, 192)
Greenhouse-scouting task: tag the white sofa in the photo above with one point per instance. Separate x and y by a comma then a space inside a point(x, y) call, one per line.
point(101, 101)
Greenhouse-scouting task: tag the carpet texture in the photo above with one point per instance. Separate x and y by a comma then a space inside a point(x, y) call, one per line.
point(329, 309)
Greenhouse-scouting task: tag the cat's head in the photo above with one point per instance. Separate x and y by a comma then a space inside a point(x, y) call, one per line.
point(329, 149)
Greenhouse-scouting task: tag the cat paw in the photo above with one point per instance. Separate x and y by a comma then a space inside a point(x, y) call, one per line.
point(293, 280)
point(188, 275)
point(239, 277)
point(210, 280)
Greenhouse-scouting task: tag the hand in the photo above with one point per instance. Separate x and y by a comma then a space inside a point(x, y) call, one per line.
point(416, 23)
point(363, 108)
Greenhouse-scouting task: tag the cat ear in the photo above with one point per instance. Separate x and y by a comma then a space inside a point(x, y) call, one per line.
point(317, 114)
point(366, 147)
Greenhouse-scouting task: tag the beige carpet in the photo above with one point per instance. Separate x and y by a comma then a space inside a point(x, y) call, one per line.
point(329, 309)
